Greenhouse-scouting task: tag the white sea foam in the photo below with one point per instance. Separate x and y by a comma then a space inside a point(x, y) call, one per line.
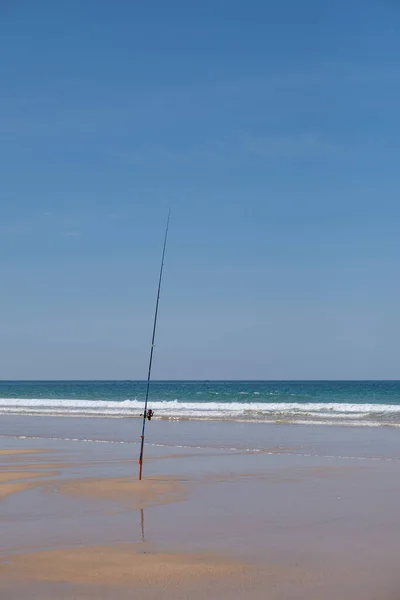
point(257, 411)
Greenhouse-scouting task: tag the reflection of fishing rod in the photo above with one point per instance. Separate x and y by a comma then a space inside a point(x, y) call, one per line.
point(142, 523)
point(149, 413)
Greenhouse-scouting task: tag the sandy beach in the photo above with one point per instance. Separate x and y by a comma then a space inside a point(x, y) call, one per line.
point(233, 515)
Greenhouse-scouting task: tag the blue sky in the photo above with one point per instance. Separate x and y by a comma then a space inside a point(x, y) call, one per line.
point(272, 131)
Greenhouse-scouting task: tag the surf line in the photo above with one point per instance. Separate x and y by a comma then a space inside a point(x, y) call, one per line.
point(148, 413)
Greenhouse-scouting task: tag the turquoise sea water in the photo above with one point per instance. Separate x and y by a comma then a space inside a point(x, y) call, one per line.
point(348, 402)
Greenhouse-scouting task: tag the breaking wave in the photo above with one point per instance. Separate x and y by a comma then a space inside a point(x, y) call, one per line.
point(305, 412)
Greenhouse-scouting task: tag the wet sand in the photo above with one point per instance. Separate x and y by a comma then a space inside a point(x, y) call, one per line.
point(17, 452)
point(135, 494)
point(118, 565)
point(128, 569)
point(16, 476)
point(288, 520)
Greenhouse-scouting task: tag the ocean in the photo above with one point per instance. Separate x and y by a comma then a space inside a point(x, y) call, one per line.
point(370, 403)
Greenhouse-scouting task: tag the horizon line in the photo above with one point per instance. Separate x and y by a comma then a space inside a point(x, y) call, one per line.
point(305, 380)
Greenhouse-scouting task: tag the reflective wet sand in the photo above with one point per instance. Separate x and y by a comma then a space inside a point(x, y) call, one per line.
point(279, 521)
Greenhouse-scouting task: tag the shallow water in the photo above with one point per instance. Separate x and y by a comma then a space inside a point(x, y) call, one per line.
point(322, 440)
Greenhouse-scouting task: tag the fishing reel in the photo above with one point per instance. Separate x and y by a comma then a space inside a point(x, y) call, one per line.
point(148, 414)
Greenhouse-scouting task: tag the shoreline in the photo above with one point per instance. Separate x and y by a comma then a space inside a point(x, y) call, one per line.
point(334, 422)
point(282, 438)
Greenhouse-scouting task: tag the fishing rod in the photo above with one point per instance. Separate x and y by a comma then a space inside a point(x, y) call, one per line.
point(148, 414)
